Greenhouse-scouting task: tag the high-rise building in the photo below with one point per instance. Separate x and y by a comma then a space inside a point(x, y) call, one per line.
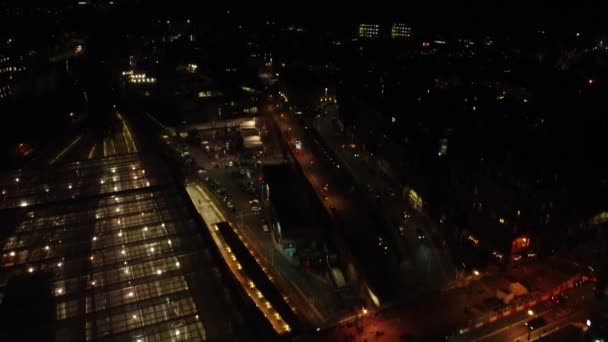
point(400, 30)
point(370, 31)
point(11, 71)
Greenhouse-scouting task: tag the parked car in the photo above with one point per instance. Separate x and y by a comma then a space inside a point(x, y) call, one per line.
point(535, 323)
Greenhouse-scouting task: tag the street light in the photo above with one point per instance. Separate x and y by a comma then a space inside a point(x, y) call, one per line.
point(476, 272)
point(530, 312)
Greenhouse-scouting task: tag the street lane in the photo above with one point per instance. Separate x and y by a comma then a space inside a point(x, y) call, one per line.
point(580, 300)
point(431, 261)
point(349, 216)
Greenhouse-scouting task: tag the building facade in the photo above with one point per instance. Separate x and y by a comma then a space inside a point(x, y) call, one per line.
point(369, 31)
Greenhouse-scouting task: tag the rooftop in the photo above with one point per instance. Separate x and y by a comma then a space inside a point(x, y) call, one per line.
point(125, 254)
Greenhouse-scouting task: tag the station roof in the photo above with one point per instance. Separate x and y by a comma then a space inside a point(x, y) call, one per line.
point(124, 252)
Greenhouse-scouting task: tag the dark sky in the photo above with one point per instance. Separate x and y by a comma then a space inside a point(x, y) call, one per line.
point(510, 16)
point(465, 16)
point(455, 16)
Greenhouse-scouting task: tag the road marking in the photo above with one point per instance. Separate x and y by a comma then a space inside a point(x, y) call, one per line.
point(92, 151)
point(129, 137)
point(518, 322)
point(555, 325)
point(113, 146)
point(65, 150)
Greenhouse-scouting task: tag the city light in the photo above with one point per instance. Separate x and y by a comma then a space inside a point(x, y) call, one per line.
point(224, 127)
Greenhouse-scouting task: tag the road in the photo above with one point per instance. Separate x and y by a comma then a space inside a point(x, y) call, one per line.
point(356, 234)
point(430, 258)
point(317, 300)
point(576, 309)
